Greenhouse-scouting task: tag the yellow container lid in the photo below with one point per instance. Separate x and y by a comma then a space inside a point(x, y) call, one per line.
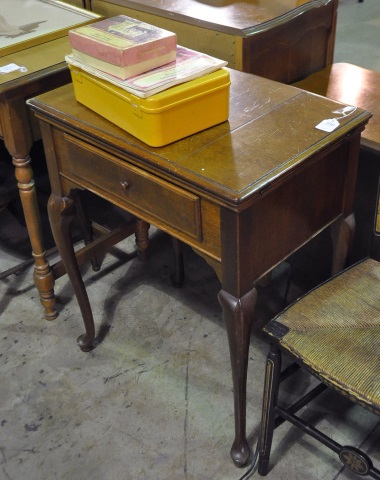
point(168, 98)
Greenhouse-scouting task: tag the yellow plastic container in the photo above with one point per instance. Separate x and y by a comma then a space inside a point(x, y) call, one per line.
point(164, 117)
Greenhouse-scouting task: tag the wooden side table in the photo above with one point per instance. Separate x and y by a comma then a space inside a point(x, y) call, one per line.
point(282, 40)
point(244, 194)
point(43, 68)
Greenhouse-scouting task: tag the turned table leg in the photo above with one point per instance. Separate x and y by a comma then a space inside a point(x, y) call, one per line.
point(43, 275)
point(142, 238)
point(238, 315)
point(61, 214)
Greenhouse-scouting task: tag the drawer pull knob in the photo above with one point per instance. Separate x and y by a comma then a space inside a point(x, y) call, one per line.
point(124, 186)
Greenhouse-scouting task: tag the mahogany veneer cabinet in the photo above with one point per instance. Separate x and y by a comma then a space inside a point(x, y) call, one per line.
point(282, 40)
point(244, 194)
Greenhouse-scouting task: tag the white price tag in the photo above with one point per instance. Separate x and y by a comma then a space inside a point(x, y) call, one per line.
point(12, 67)
point(328, 125)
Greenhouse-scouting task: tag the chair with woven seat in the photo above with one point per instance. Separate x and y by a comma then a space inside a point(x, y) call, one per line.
point(334, 333)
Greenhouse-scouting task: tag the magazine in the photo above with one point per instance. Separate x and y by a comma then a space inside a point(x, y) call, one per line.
point(188, 65)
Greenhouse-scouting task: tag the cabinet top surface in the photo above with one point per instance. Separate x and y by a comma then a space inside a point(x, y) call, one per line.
point(242, 16)
point(34, 61)
point(270, 132)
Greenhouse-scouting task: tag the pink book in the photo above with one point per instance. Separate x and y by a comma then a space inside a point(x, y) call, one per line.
point(123, 46)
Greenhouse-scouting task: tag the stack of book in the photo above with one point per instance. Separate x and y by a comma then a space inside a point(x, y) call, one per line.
point(121, 55)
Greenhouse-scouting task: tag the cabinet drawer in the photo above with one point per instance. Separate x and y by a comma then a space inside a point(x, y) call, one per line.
point(140, 192)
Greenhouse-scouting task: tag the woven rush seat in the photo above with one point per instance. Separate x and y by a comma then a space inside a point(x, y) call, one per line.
point(335, 330)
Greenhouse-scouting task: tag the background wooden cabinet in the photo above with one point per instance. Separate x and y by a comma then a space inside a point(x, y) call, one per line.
point(281, 40)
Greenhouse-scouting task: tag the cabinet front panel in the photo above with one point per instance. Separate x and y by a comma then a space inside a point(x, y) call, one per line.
point(132, 187)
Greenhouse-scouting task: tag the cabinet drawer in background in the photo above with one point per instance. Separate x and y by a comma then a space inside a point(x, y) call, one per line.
point(140, 192)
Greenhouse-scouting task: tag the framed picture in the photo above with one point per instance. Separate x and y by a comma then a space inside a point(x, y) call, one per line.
point(26, 23)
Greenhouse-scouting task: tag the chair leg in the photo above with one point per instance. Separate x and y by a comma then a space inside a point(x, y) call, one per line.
point(271, 388)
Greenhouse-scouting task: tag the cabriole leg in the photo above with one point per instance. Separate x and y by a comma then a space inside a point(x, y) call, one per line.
point(237, 315)
point(61, 215)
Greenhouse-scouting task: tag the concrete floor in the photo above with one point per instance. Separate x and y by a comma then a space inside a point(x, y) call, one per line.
point(153, 401)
